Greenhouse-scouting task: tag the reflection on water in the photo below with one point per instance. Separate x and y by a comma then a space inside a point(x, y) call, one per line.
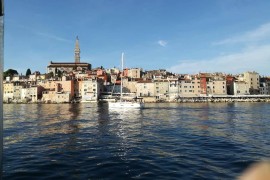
point(173, 140)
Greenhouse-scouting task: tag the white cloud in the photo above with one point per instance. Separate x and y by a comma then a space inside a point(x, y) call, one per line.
point(256, 58)
point(162, 43)
point(260, 33)
point(43, 34)
point(57, 38)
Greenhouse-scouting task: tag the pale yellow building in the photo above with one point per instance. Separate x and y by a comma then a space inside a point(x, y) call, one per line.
point(56, 97)
point(17, 90)
point(8, 91)
point(145, 88)
point(59, 86)
point(253, 81)
point(133, 73)
point(217, 86)
point(189, 87)
point(161, 89)
point(129, 86)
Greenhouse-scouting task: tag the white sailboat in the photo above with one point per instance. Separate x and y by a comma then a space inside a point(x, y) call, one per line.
point(122, 104)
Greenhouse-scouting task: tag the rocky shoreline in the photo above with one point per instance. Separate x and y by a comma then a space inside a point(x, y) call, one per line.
point(180, 100)
point(217, 100)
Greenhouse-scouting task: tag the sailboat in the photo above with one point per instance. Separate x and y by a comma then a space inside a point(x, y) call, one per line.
point(135, 103)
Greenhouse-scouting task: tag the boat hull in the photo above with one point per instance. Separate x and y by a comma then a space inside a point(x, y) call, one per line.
point(126, 105)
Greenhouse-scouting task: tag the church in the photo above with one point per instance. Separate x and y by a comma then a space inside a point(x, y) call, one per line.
point(67, 67)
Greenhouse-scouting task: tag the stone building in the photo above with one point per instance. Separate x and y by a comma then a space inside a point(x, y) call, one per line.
point(145, 88)
point(32, 93)
point(240, 88)
point(90, 90)
point(133, 72)
point(265, 86)
point(68, 67)
point(253, 81)
point(189, 86)
point(8, 91)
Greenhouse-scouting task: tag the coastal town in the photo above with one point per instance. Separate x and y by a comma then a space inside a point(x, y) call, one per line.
point(70, 82)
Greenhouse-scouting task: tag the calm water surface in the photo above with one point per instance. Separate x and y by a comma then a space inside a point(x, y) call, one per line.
point(172, 141)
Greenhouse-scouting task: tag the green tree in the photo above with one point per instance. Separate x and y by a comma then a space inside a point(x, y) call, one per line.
point(10, 72)
point(28, 72)
point(59, 73)
point(50, 75)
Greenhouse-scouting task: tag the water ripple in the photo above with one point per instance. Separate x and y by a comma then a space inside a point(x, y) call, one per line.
point(162, 141)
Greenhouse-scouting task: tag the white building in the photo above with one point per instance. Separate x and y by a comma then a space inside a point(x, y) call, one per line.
point(174, 89)
point(240, 88)
point(90, 90)
point(31, 93)
point(265, 88)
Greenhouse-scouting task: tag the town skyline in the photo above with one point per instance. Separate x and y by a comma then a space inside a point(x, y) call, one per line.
point(76, 81)
point(181, 37)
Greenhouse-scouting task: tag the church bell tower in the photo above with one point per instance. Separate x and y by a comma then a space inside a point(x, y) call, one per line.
point(77, 51)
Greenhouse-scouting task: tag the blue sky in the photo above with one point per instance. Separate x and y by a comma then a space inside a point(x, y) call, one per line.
point(182, 36)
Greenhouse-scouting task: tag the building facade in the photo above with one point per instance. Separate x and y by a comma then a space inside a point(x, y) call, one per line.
point(253, 81)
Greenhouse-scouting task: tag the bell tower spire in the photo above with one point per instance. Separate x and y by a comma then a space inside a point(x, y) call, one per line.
point(77, 51)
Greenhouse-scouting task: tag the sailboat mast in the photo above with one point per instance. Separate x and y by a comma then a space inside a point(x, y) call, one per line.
point(122, 62)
